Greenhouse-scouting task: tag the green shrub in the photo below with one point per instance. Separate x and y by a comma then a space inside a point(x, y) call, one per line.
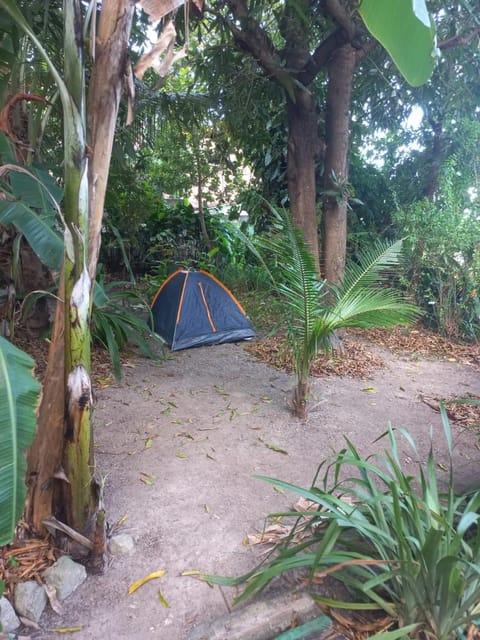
point(398, 543)
point(443, 254)
point(120, 316)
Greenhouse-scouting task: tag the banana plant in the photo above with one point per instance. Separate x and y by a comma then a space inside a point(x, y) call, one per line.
point(64, 437)
point(19, 396)
point(317, 311)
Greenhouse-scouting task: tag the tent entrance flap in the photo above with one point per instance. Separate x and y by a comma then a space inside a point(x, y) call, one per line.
point(193, 308)
point(207, 310)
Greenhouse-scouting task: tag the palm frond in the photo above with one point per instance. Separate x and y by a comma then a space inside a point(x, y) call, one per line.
point(373, 268)
point(369, 307)
point(298, 281)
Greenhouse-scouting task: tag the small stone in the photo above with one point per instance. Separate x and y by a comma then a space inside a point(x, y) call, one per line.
point(30, 600)
point(121, 544)
point(65, 575)
point(8, 618)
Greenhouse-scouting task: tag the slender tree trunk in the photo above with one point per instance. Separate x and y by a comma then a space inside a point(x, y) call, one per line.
point(201, 212)
point(303, 146)
point(437, 155)
point(334, 220)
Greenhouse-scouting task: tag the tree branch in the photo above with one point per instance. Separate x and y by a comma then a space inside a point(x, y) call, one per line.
point(458, 40)
point(253, 39)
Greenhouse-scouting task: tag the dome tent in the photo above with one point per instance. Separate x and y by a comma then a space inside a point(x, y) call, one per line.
point(193, 308)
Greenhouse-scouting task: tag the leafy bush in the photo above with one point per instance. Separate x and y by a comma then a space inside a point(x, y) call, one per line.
point(120, 317)
point(443, 253)
point(396, 542)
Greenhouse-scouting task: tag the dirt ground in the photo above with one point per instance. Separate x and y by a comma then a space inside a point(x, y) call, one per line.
point(179, 442)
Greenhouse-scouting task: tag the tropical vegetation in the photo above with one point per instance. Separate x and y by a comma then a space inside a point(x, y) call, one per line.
point(398, 543)
point(316, 310)
point(292, 103)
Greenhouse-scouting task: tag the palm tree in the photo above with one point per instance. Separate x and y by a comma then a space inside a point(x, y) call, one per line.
point(317, 311)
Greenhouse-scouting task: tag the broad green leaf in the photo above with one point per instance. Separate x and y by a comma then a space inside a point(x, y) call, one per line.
point(19, 395)
point(41, 193)
point(407, 32)
point(41, 236)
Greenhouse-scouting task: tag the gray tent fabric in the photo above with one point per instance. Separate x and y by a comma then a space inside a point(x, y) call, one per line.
point(193, 308)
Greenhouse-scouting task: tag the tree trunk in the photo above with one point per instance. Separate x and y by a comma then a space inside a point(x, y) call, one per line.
point(201, 212)
point(109, 74)
point(64, 428)
point(303, 146)
point(334, 220)
point(300, 397)
point(437, 155)
point(44, 458)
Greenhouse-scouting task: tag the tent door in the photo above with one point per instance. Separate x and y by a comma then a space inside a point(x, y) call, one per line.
point(207, 308)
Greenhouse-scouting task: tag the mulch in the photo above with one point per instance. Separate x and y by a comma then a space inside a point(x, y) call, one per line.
point(354, 359)
point(25, 559)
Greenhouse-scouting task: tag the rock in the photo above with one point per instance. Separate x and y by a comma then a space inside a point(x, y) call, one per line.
point(262, 619)
point(8, 618)
point(30, 600)
point(65, 575)
point(121, 544)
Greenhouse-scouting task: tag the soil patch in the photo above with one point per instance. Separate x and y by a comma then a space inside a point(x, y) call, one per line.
point(180, 441)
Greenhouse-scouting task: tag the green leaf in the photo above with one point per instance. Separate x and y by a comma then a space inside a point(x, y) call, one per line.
point(19, 395)
point(38, 230)
point(41, 193)
point(406, 30)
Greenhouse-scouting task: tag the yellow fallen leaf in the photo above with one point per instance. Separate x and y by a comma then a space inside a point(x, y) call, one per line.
point(121, 520)
point(278, 489)
point(162, 599)
point(151, 576)
point(191, 572)
point(148, 443)
point(65, 629)
point(369, 390)
point(181, 455)
point(146, 478)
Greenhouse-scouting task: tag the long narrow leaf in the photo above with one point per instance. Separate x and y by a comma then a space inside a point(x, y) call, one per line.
point(19, 395)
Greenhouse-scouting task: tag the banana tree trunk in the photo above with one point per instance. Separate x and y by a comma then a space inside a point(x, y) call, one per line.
point(110, 71)
point(80, 503)
point(61, 464)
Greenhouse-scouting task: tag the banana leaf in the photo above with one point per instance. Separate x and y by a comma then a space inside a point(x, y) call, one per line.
point(19, 396)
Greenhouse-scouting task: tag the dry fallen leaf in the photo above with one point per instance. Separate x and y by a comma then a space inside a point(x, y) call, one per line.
point(52, 598)
point(151, 576)
point(191, 572)
point(146, 478)
point(65, 629)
